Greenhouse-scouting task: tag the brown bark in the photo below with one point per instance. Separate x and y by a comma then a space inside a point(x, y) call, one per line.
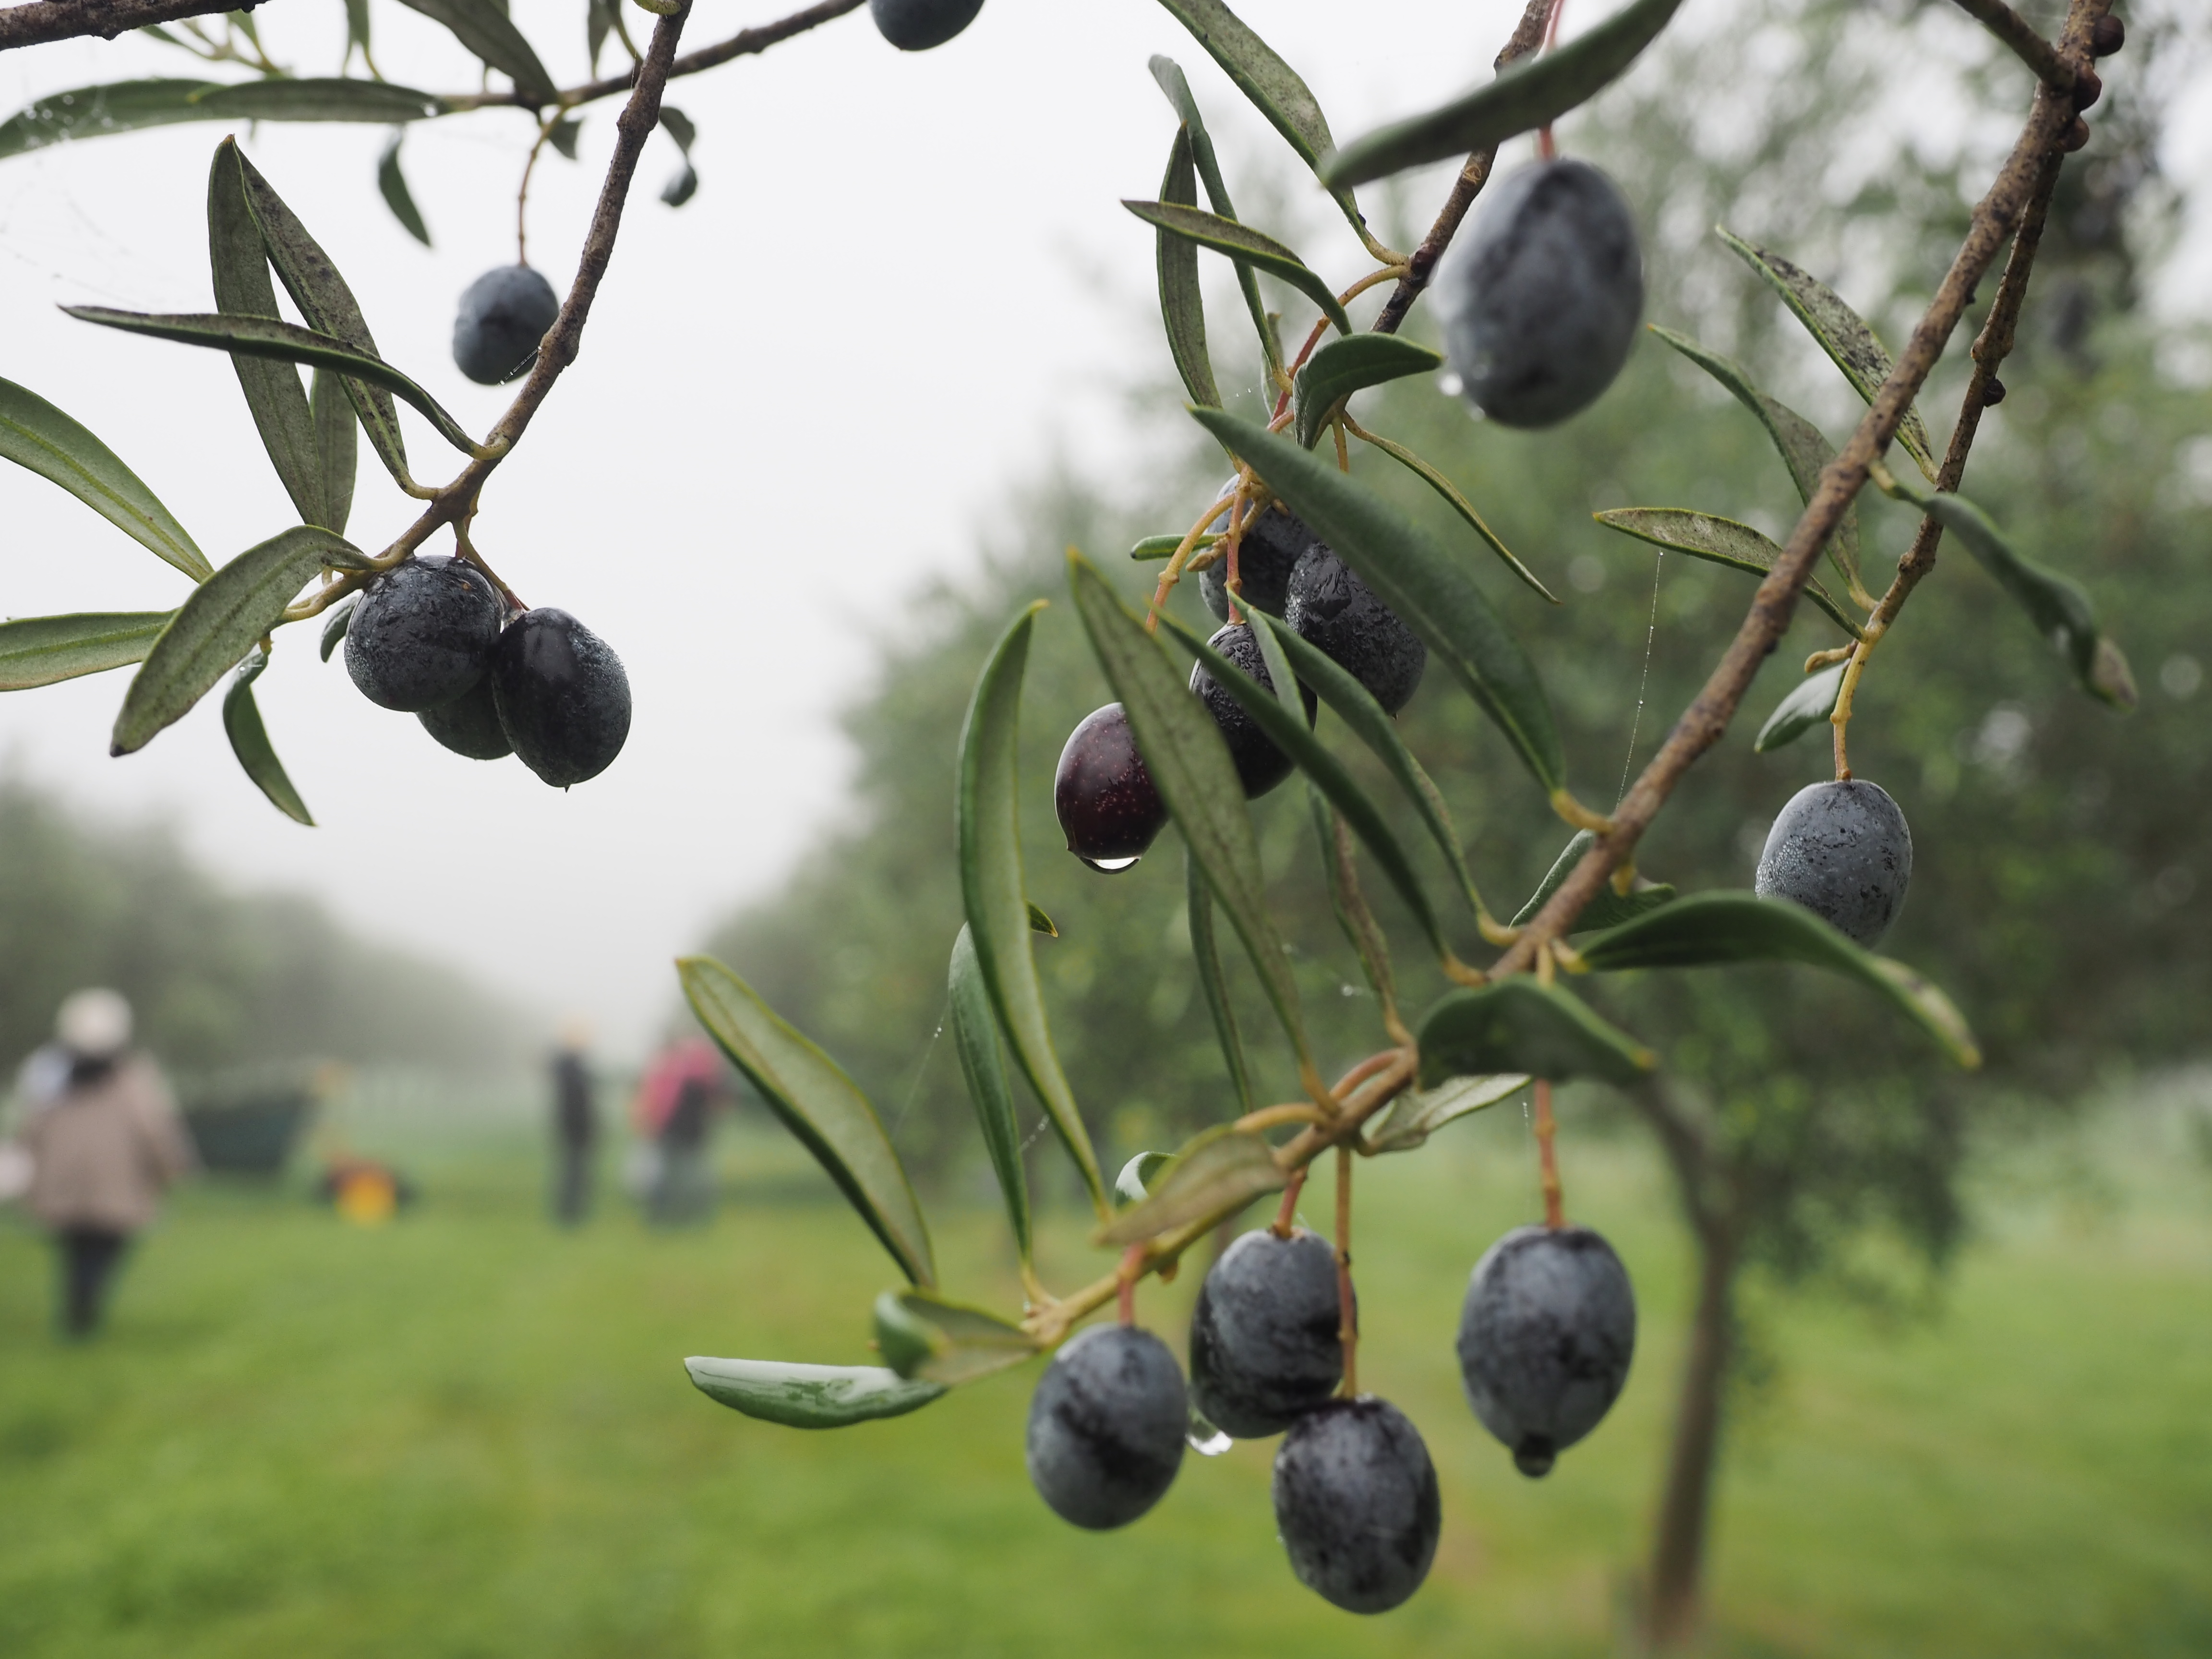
point(1678, 1553)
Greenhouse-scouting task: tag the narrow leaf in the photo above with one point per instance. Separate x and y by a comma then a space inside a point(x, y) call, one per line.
point(222, 620)
point(2057, 605)
point(1717, 541)
point(129, 106)
point(570, 128)
point(1182, 305)
point(338, 447)
point(1188, 760)
point(1841, 331)
point(391, 184)
point(1138, 1175)
point(1041, 923)
point(286, 342)
point(1435, 480)
point(1430, 590)
point(1276, 89)
point(1353, 918)
point(249, 741)
point(1803, 449)
point(1206, 950)
point(1519, 1024)
point(1169, 74)
point(38, 651)
point(1247, 246)
point(274, 396)
point(1531, 92)
point(679, 126)
point(809, 1396)
point(683, 185)
point(1609, 909)
point(336, 620)
point(929, 1340)
point(598, 21)
point(312, 278)
point(486, 30)
point(1707, 929)
point(975, 1035)
point(1219, 1172)
point(1163, 547)
point(1807, 706)
point(1371, 724)
point(1289, 733)
point(819, 1103)
point(1417, 1113)
point(356, 25)
point(988, 817)
point(36, 434)
point(1349, 365)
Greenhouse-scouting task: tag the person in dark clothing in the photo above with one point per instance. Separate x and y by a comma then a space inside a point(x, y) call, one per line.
point(575, 1127)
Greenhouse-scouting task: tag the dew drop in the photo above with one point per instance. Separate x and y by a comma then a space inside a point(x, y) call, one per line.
point(1205, 1439)
point(1109, 867)
point(1450, 384)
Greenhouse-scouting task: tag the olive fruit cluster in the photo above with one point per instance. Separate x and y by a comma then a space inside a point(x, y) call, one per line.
point(432, 637)
point(504, 313)
point(1845, 851)
point(1110, 809)
point(1545, 1341)
point(1540, 301)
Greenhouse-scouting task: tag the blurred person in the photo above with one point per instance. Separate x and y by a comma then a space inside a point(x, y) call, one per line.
point(674, 1110)
point(576, 1125)
point(102, 1150)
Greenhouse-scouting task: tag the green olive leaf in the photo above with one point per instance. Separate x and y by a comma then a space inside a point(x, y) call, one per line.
point(819, 1103)
point(1333, 839)
point(2056, 605)
point(1707, 929)
point(1429, 588)
point(1803, 449)
point(392, 185)
point(1809, 705)
point(1531, 92)
point(36, 435)
point(1206, 951)
point(1246, 245)
point(222, 620)
point(249, 741)
point(1169, 74)
point(38, 651)
point(1163, 547)
point(274, 396)
point(1188, 760)
point(1219, 1172)
point(1182, 303)
point(1840, 331)
point(975, 1036)
point(1609, 909)
point(1349, 365)
point(1276, 89)
point(929, 1340)
point(1429, 474)
point(312, 278)
point(1041, 923)
point(1717, 541)
point(809, 1396)
point(129, 106)
point(336, 620)
point(684, 183)
point(1520, 1024)
point(288, 342)
point(987, 814)
point(337, 434)
point(1417, 1113)
point(567, 131)
point(485, 29)
point(1289, 733)
point(356, 13)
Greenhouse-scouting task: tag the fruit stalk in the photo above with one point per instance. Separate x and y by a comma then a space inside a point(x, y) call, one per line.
point(1347, 1330)
point(1701, 726)
point(1547, 1158)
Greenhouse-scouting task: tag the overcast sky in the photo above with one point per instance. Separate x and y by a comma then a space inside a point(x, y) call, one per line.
point(903, 284)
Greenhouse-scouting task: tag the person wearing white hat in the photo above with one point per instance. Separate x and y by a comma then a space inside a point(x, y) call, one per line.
point(102, 1153)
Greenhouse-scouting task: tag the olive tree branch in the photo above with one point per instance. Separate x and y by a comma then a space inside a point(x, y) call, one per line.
point(453, 503)
point(1995, 218)
point(41, 20)
point(2018, 33)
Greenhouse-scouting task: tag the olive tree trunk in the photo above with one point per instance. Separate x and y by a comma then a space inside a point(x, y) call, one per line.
point(1678, 1554)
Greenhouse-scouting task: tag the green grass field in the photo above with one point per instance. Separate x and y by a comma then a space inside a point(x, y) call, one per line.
point(464, 1434)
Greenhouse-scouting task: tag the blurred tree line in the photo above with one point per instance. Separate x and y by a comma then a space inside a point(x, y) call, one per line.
point(217, 978)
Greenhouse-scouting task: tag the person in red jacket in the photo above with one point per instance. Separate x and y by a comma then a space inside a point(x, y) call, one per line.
point(102, 1151)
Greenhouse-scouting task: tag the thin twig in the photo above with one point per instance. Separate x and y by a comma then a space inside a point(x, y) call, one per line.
point(42, 20)
point(2017, 33)
point(1701, 725)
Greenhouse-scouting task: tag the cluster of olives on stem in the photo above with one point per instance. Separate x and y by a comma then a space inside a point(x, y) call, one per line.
point(432, 637)
point(1843, 851)
point(1545, 1341)
point(504, 313)
point(1110, 809)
